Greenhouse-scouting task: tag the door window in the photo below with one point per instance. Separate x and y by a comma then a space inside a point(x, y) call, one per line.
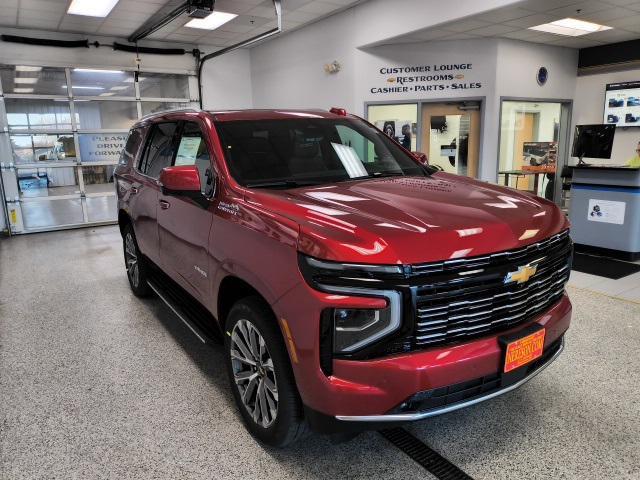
point(160, 149)
point(193, 150)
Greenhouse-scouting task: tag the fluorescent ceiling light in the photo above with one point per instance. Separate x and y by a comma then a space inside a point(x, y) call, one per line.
point(26, 68)
point(82, 87)
point(23, 90)
point(30, 80)
point(106, 94)
point(570, 27)
point(91, 8)
point(213, 21)
point(120, 87)
point(96, 70)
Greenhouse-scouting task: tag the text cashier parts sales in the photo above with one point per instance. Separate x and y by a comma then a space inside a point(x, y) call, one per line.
point(425, 78)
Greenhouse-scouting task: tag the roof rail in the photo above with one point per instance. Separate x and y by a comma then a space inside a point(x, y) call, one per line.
point(179, 110)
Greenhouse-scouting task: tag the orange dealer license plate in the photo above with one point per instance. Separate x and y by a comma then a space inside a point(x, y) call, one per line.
point(524, 350)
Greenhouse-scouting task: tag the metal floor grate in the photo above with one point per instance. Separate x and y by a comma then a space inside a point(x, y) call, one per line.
point(431, 460)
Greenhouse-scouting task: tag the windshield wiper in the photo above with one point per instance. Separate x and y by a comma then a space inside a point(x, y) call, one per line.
point(281, 184)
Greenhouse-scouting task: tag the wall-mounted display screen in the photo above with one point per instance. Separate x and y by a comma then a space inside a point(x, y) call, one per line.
point(622, 104)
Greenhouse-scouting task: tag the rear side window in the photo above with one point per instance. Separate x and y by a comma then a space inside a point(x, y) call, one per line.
point(132, 147)
point(160, 149)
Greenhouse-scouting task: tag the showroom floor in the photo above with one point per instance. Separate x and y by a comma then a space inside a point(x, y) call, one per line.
point(95, 383)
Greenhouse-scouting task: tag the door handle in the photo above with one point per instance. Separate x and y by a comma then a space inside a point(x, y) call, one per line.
point(134, 190)
point(164, 204)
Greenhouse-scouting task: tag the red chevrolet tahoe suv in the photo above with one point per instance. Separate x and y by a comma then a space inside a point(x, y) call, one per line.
point(354, 286)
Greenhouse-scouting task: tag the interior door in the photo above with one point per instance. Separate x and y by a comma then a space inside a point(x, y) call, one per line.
point(184, 222)
point(451, 136)
point(526, 133)
point(144, 188)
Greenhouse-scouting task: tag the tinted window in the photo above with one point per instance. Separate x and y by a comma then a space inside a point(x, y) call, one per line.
point(160, 149)
point(192, 150)
point(310, 150)
point(134, 141)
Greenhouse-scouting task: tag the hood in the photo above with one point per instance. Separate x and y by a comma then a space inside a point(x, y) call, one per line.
point(413, 219)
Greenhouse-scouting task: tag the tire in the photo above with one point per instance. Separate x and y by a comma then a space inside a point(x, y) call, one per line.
point(260, 375)
point(134, 262)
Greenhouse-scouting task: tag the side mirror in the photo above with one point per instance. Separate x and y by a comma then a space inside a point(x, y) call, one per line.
point(182, 179)
point(421, 157)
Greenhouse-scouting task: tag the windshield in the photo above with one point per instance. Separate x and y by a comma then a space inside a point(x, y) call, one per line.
point(309, 151)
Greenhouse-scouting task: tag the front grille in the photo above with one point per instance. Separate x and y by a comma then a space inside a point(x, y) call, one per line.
point(468, 298)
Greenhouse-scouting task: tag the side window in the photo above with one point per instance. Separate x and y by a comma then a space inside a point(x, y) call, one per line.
point(160, 149)
point(134, 141)
point(192, 150)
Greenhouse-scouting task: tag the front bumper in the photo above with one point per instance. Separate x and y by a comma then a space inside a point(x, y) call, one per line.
point(361, 392)
point(554, 353)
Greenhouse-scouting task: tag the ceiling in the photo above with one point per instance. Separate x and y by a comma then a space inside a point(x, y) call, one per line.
point(254, 17)
point(513, 22)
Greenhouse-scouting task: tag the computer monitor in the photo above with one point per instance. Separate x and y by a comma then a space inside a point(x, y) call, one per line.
point(593, 141)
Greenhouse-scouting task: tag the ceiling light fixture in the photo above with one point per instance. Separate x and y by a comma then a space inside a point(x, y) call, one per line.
point(22, 90)
point(91, 8)
point(120, 87)
point(27, 68)
point(570, 27)
point(82, 87)
point(96, 70)
point(213, 21)
point(30, 80)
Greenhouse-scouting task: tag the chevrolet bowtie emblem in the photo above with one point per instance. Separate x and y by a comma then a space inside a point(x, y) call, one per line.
point(522, 275)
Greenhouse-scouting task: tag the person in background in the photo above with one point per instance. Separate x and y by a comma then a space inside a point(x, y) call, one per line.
point(406, 136)
point(635, 161)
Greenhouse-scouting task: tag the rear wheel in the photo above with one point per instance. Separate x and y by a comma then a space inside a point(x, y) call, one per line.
point(134, 263)
point(260, 375)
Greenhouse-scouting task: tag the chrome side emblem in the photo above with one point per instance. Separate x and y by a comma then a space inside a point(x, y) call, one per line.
point(522, 275)
point(200, 271)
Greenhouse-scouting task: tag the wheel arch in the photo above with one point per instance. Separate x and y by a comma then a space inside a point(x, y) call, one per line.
point(231, 290)
point(123, 220)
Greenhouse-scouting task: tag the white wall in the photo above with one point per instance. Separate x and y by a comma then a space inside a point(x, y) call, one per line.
point(589, 107)
point(226, 83)
point(288, 72)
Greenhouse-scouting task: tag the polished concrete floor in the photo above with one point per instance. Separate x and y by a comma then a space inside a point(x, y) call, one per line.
point(95, 383)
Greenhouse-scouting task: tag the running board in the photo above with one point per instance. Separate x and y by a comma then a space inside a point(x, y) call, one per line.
point(179, 313)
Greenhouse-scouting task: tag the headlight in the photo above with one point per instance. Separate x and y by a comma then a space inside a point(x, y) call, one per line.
point(355, 328)
point(351, 329)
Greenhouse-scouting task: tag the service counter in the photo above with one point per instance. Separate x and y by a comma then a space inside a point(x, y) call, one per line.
point(605, 209)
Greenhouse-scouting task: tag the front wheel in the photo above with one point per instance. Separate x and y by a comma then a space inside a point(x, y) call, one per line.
point(134, 263)
point(260, 375)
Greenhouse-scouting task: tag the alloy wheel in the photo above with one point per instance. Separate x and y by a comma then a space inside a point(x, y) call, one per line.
point(131, 259)
point(253, 373)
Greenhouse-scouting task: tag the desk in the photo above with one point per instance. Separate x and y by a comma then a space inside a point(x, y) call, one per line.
point(605, 209)
point(536, 180)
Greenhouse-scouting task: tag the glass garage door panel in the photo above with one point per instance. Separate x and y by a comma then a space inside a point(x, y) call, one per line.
point(47, 182)
point(37, 114)
point(43, 148)
point(98, 179)
point(102, 209)
point(23, 79)
point(100, 114)
point(161, 85)
point(103, 83)
point(46, 213)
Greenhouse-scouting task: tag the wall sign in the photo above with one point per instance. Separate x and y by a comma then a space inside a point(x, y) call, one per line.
point(102, 148)
point(542, 76)
point(425, 78)
point(606, 211)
